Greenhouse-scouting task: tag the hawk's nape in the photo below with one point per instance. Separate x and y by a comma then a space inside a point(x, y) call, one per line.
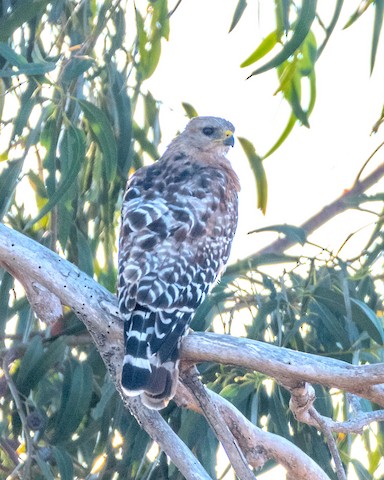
point(179, 217)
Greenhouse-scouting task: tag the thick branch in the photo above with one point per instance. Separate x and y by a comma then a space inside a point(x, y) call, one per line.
point(97, 308)
point(288, 367)
point(257, 445)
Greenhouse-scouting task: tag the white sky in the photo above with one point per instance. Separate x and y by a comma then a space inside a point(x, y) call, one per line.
point(200, 65)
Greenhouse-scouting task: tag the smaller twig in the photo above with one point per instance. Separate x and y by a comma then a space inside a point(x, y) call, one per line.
point(323, 426)
point(302, 398)
point(224, 435)
point(357, 180)
point(171, 12)
point(9, 450)
point(8, 358)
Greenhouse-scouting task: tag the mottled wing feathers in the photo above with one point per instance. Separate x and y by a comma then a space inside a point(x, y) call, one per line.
point(167, 261)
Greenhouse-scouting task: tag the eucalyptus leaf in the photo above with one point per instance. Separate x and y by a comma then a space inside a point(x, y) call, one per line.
point(101, 128)
point(303, 26)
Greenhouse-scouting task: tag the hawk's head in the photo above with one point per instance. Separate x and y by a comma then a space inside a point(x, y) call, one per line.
point(209, 134)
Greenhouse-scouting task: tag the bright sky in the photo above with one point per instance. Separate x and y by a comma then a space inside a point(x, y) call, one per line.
point(200, 65)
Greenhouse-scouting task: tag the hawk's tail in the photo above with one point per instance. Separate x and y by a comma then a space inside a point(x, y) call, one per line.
point(152, 342)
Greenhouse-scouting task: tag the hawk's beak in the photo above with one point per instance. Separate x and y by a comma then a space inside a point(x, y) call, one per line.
point(229, 139)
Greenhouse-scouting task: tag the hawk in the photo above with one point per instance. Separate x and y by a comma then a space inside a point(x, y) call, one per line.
point(178, 220)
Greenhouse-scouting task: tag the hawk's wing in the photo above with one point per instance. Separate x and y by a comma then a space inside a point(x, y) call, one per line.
point(175, 237)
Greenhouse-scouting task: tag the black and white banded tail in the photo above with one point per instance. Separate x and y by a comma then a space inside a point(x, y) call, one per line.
point(152, 342)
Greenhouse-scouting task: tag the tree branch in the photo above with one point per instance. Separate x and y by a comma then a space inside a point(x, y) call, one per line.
point(338, 206)
point(288, 367)
point(257, 445)
point(97, 308)
point(208, 406)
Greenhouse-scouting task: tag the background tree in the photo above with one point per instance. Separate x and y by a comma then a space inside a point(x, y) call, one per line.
point(76, 118)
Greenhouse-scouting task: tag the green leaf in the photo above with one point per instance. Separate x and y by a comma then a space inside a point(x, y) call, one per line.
point(76, 67)
point(331, 26)
point(361, 472)
point(303, 26)
point(72, 150)
point(6, 286)
point(257, 167)
point(64, 463)
point(378, 23)
point(278, 412)
point(8, 181)
point(53, 355)
point(2, 99)
point(21, 63)
point(85, 255)
point(22, 13)
point(31, 359)
point(101, 128)
point(189, 110)
point(239, 10)
point(75, 403)
point(293, 233)
point(124, 117)
point(368, 321)
point(253, 262)
point(107, 392)
point(363, 6)
point(44, 467)
point(265, 47)
point(362, 315)
point(287, 130)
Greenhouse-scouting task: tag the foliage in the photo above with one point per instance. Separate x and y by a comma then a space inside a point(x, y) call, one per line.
point(72, 91)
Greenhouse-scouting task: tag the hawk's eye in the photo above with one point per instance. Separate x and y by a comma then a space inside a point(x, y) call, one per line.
point(208, 131)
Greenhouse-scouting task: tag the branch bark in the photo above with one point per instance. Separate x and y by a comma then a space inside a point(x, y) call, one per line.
point(209, 409)
point(257, 445)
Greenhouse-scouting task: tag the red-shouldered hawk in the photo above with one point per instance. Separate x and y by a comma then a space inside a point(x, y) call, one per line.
point(179, 217)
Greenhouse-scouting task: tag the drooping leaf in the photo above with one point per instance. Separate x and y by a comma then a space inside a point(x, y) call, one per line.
point(360, 470)
point(21, 63)
point(293, 233)
point(377, 25)
point(21, 13)
point(2, 98)
point(284, 135)
point(64, 463)
point(331, 26)
point(76, 397)
point(124, 117)
point(6, 286)
point(189, 110)
point(369, 321)
point(76, 67)
point(363, 6)
point(265, 47)
point(303, 26)
point(101, 128)
point(8, 181)
point(44, 467)
point(29, 362)
point(72, 149)
point(257, 167)
point(239, 10)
